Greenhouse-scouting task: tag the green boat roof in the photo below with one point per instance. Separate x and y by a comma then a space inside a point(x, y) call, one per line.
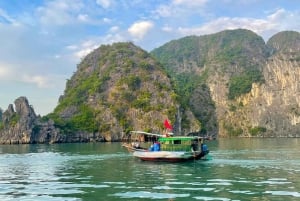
point(182, 138)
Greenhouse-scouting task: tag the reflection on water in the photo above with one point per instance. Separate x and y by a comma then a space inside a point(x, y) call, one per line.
point(240, 169)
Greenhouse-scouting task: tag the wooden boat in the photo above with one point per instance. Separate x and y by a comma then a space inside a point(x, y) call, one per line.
point(157, 147)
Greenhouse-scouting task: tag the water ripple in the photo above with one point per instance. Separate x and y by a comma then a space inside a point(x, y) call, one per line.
point(150, 195)
point(92, 172)
point(283, 193)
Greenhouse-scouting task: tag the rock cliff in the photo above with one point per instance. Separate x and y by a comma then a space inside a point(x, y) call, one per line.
point(273, 106)
point(17, 123)
point(244, 86)
point(20, 125)
point(230, 83)
point(118, 88)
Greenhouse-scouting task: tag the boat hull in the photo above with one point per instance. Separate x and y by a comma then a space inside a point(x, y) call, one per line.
point(167, 156)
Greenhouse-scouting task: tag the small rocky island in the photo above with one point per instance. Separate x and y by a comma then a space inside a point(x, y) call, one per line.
point(22, 126)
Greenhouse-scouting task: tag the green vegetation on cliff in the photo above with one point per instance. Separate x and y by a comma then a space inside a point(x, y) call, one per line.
point(202, 82)
point(119, 87)
point(113, 87)
point(229, 52)
point(242, 84)
point(235, 55)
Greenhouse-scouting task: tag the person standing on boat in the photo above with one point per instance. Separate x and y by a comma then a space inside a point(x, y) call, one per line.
point(156, 146)
point(204, 149)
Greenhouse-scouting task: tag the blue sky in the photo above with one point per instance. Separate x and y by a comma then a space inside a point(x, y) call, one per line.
point(42, 41)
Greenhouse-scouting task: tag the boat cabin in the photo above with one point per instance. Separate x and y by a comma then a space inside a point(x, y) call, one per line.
point(180, 143)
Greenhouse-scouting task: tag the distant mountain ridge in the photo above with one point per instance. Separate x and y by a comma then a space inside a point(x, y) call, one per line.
point(230, 83)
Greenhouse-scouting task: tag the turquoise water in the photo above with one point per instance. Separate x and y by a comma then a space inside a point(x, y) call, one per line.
point(239, 169)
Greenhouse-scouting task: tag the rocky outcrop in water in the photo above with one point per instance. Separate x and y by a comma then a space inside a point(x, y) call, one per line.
point(17, 123)
point(20, 125)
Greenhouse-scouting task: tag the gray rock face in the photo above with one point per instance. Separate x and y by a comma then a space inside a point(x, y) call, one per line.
point(270, 107)
point(17, 124)
point(20, 125)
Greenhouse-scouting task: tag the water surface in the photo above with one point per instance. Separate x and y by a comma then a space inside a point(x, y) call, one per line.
point(239, 169)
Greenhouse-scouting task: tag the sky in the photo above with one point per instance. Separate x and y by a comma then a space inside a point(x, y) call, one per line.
point(43, 41)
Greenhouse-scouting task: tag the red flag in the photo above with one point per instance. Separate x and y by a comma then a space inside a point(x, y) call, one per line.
point(168, 125)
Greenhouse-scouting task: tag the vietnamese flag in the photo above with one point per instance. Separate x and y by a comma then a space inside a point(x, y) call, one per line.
point(168, 125)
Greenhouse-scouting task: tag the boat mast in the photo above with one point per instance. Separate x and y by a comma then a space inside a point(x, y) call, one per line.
point(178, 120)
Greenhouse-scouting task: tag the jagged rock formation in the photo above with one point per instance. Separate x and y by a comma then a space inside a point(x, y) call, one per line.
point(268, 105)
point(17, 125)
point(20, 125)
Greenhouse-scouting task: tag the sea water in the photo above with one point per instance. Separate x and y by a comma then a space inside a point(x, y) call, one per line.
point(237, 169)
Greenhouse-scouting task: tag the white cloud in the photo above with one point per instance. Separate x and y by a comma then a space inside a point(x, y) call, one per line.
point(72, 47)
point(106, 20)
point(83, 17)
point(105, 3)
point(12, 73)
point(59, 12)
point(278, 21)
point(164, 11)
point(81, 50)
point(285, 20)
point(179, 8)
point(6, 18)
point(114, 29)
point(278, 15)
point(167, 28)
point(57, 56)
point(5, 71)
point(139, 29)
point(85, 48)
point(38, 80)
point(190, 3)
point(88, 20)
point(223, 23)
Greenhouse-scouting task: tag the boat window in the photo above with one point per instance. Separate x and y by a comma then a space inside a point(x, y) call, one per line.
point(177, 141)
